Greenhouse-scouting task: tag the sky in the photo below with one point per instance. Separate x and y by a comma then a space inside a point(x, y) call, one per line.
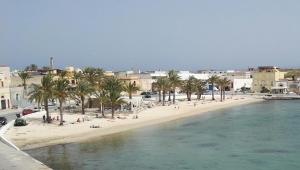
point(150, 34)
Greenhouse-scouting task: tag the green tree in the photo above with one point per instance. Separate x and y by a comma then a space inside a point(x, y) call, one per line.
point(24, 77)
point(113, 87)
point(213, 80)
point(130, 88)
point(223, 83)
point(36, 94)
point(92, 74)
point(81, 91)
point(175, 82)
point(61, 92)
point(43, 92)
point(188, 86)
point(31, 67)
point(102, 98)
point(162, 85)
point(264, 90)
point(200, 86)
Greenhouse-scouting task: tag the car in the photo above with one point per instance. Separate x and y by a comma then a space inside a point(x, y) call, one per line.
point(147, 96)
point(20, 122)
point(27, 112)
point(3, 121)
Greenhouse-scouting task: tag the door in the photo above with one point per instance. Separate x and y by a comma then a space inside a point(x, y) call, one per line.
point(3, 104)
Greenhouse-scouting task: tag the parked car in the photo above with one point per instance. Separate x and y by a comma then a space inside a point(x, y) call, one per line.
point(15, 107)
point(3, 121)
point(20, 122)
point(37, 109)
point(27, 112)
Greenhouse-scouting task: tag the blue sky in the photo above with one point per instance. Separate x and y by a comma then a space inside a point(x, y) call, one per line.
point(150, 34)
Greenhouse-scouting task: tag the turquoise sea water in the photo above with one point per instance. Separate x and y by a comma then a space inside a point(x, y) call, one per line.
point(262, 136)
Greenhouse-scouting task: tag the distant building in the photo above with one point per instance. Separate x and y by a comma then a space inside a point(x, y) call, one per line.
point(238, 84)
point(184, 75)
point(294, 86)
point(280, 87)
point(266, 77)
point(5, 102)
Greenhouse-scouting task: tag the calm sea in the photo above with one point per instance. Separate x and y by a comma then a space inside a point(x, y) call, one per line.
point(262, 136)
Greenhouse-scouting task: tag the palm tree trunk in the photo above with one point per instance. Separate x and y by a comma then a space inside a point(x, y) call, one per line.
point(198, 95)
point(47, 110)
point(164, 96)
point(224, 95)
point(61, 112)
point(212, 92)
point(102, 111)
point(82, 105)
point(174, 96)
point(100, 107)
point(169, 96)
point(130, 95)
point(221, 93)
point(112, 111)
point(159, 96)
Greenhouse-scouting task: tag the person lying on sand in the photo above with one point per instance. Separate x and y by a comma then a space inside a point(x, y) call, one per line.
point(93, 126)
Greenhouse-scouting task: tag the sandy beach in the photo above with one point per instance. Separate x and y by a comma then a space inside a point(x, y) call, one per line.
point(39, 134)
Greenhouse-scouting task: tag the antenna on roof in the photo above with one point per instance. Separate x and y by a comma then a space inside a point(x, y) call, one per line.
point(51, 62)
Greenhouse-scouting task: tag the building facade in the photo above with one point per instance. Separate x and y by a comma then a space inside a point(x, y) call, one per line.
point(238, 84)
point(265, 78)
point(5, 102)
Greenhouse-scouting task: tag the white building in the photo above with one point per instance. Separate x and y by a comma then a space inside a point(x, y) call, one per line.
point(280, 87)
point(184, 75)
point(5, 102)
point(238, 84)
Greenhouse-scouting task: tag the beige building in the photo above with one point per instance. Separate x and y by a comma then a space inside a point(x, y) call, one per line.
point(5, 102)
point(142, 80)
point(267, 77)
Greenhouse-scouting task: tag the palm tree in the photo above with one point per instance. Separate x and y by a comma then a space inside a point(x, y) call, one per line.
point(223, 83)
point(36, 94)
point(174, 82)
point(162, 85)
point(61, 92)
point(130, 88)
point(24, 76)
point(102, 98)
point(200, 87)
point(113, 87)
point(213, 80)
point(43, 92)
point(220, 83)
point(188, 87)
point(101, 94)
point(77, 76)
point(80, 92)
point(92, 74)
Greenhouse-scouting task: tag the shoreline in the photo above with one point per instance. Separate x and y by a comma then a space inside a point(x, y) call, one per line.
point(164, 114)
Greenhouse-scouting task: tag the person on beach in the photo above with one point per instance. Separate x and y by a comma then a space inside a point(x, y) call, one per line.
point(44, 118)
